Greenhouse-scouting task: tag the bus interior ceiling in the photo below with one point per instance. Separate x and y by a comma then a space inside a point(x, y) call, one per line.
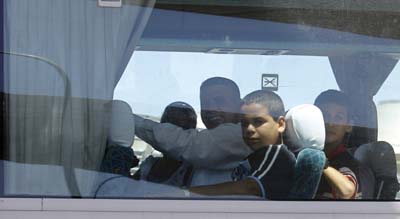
point(296, 28)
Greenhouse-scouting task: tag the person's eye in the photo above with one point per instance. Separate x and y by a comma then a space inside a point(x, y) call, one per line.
point(258, 122)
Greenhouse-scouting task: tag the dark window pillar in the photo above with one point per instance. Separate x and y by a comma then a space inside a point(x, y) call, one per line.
point(2, 105)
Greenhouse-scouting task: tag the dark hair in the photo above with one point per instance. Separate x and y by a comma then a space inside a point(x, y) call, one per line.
point(221, 81)
point(333, 96)
point(180, 114)
point(269, 99)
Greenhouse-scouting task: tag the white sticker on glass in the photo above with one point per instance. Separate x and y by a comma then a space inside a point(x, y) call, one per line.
point(270, 82)
point(110, 3)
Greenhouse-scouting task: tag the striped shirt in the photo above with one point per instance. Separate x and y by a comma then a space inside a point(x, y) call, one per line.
point(272, 167)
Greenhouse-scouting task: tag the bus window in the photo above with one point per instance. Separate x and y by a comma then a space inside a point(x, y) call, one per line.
point(85, 87)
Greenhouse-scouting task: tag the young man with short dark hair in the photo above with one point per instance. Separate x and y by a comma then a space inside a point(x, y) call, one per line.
point(271, 165)
point(340, 177)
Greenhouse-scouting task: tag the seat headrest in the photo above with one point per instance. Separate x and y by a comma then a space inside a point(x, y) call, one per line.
point(122, 129)
point(305, 128)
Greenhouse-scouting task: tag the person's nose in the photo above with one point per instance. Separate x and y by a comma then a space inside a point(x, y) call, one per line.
point(250, 130)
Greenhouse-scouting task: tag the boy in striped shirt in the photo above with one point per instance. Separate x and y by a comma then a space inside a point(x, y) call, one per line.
point(268, 171)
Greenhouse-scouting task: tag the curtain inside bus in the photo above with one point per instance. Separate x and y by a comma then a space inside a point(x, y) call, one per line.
point(360, 75)
point(63, 60)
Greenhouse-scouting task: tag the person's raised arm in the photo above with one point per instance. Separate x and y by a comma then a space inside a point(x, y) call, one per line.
point(218, 148)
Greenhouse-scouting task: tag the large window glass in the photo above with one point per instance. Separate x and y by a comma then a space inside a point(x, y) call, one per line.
point(200, 99)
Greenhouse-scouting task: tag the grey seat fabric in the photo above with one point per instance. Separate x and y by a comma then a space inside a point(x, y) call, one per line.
point(379, 177)
point(122, 129)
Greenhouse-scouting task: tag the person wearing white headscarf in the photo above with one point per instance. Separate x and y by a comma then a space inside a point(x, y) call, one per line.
point(305, 128)
point(305, 137)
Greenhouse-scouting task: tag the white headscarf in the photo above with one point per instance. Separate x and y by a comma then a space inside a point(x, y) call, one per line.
point(305, 128)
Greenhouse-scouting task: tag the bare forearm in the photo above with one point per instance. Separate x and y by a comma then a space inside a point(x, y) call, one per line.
point(342, 185)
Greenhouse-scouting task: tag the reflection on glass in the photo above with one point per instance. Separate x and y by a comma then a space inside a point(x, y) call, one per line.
point(103, 134)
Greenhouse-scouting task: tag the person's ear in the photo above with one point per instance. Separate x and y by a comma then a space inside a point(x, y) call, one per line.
point(281, 124)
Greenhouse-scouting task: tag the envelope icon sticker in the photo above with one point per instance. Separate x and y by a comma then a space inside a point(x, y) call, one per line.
point(270, 82)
